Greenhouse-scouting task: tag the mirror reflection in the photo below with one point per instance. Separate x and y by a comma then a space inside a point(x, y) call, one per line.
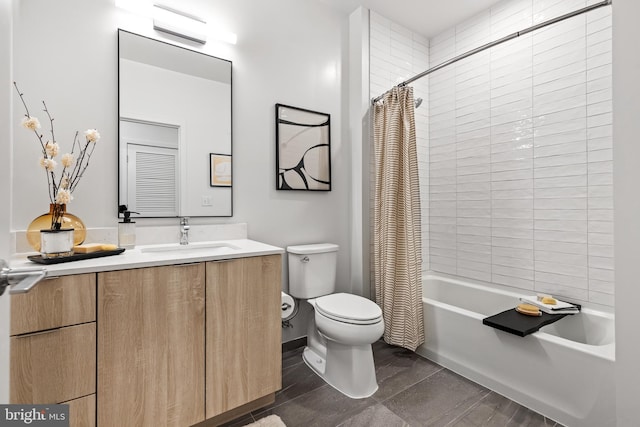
point(175, 130)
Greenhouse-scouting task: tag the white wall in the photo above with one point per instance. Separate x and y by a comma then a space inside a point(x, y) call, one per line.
point(397, 54)
point(359, 130)
point(626, 158)
point(65, 53)
point(5, 184)
point(520, 162)
point(68, 60)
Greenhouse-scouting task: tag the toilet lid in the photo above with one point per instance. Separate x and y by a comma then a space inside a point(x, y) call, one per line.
point(317, 248)
point(348, 308)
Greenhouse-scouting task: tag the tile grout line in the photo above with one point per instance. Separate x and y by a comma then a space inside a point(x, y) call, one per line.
point(469, 409)
point(261, 410)
point(410, 385)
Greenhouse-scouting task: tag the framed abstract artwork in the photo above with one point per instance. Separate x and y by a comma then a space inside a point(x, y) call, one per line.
point(303, 149)
point(220, 170)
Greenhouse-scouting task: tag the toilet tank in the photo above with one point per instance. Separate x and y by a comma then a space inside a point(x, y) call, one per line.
point(312, 270)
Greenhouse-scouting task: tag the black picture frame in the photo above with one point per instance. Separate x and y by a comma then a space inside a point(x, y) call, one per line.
point(218, 177)
point(303, 149)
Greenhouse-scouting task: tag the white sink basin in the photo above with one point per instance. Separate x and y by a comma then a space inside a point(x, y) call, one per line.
point(209, 247)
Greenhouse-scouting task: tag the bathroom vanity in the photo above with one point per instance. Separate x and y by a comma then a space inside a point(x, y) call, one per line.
point(154, 336)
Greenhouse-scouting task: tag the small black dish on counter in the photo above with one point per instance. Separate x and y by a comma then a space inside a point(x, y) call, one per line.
point(75, 257)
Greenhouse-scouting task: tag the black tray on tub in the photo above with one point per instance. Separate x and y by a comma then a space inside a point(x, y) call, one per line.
point(519, 324)
point(75, 257)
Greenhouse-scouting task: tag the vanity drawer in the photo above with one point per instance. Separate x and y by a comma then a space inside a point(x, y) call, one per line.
point(54, 303)
point(82, 411)
point(53, 366)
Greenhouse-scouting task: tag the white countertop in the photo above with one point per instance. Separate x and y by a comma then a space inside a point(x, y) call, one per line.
point(137, 258)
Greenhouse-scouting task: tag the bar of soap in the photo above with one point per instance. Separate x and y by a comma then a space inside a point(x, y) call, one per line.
point(549, 300)
point(528, 309)
point(94, 247)
point(88, 248)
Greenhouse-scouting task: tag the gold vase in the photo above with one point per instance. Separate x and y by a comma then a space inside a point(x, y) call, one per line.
point(45, 222)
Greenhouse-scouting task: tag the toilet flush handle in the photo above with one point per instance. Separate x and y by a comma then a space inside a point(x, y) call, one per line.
point(305, 259)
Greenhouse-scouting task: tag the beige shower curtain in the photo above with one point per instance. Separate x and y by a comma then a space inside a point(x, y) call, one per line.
point(397, 230)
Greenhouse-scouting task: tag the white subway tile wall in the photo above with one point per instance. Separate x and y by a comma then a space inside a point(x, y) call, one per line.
point(397, 54)
point(520, 151)
point(515, 146)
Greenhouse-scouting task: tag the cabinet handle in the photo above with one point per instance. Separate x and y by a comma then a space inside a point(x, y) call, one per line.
point(186, 265)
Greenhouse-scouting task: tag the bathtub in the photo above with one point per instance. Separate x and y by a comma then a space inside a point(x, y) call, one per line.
point(564, 371)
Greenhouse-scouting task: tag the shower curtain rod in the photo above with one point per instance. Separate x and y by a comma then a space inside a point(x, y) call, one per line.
point(497, 42)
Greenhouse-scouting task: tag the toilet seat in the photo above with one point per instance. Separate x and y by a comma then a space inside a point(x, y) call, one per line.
point(348, 308)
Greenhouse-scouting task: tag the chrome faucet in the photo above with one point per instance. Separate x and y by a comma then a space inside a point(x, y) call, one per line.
point(184, 231)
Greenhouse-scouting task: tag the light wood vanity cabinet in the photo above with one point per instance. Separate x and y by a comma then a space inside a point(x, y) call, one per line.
point(244, 358)
point(170, 346)
point(160, 363)
point(53, 346)
point(151, 346)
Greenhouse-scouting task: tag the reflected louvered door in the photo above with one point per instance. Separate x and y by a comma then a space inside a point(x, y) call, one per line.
point(153, 180)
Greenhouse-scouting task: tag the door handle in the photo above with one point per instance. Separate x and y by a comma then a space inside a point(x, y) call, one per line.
point(21, 279)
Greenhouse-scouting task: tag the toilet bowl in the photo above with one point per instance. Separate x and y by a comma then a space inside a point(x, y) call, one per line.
point(343, 326)
point(339, 349)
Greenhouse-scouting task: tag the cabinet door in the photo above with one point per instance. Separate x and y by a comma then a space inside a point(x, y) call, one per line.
point(243, 331)
point(151, 346)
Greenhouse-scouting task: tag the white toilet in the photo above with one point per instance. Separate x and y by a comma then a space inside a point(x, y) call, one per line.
point(343, 326)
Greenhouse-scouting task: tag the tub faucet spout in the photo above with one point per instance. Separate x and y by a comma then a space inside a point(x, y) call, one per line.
point(184, 231)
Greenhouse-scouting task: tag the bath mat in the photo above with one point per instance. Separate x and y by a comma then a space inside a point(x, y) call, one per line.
point(270, 421)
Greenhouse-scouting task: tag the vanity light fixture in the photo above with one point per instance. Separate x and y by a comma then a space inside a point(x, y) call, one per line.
point(179, 23)
point(176, 22)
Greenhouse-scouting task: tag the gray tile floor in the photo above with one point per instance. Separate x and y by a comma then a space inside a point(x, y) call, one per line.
point(413, 392)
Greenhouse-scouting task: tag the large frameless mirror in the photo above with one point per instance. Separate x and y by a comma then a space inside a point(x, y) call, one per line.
point(175, 143)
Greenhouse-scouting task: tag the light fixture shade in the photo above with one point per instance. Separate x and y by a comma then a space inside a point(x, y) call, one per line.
point(179, 23)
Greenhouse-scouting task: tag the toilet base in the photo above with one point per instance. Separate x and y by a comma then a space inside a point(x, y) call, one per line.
point(316, 362)
point(348, 369)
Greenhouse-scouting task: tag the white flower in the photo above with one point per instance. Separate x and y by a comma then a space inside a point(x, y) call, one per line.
point(63, 184)
point(31, 123)
point(63, 196)
point(48, 164)
point(92, 135)
point(67, 160)
point(52, 148)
